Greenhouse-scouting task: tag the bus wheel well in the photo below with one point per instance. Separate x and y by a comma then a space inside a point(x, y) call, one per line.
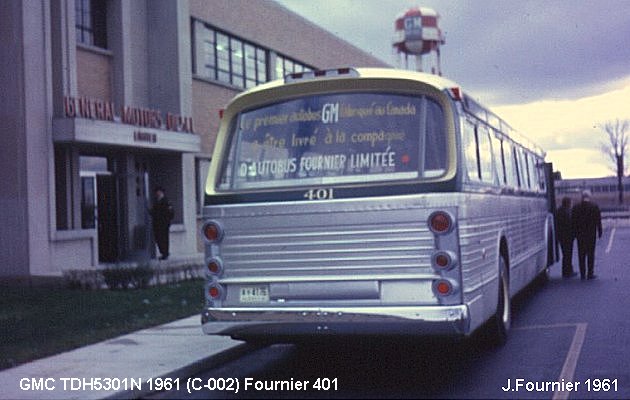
point(503, 252)
point(551, 251)
point(497, 327)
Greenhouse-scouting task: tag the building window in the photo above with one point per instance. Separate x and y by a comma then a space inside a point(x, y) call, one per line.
point(220, 56)
point(88, 202)
point(286, 66)
point(90, 167)
point(91, 22)
point(225, 58)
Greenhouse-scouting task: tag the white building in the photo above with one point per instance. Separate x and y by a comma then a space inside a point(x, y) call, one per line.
point(105, 99)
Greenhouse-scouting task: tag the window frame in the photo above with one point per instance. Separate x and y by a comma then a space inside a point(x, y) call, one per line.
point(90, 23)
point(287, 65)
point(234, 60)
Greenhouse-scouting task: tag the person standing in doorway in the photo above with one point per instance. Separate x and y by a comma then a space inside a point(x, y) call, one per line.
point(566, 235)
point(587, 223)
point(162, 214)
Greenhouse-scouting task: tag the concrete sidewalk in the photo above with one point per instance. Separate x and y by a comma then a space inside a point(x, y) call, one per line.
point(131, 362)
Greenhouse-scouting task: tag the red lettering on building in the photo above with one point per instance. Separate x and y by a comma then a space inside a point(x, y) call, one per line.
point(69, 107)
point(141, 117)
point(178, 123)
point(84, 107)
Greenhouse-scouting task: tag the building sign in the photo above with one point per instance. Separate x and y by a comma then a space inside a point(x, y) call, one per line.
point(140, 136)
point(83, 107)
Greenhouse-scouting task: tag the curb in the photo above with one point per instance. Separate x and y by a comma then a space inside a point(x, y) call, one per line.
point(209, 362)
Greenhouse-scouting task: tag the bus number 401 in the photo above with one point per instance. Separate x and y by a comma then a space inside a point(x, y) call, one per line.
point(319, 194)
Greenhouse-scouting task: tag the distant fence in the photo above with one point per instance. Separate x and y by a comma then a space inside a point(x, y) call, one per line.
point(615, 214)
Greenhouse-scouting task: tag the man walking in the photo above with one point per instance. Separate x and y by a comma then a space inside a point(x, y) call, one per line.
point(587, 223)
point(162, 214)
point(565, 236)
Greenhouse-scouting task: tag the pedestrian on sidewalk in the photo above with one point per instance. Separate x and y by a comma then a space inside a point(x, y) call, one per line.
point(587, 223)
point(162, 214)
point(566, 236)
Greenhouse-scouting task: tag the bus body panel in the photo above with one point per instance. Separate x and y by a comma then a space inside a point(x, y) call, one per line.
point(367, 259)
point(483, 221)
point(366, 254)
point(355, 240)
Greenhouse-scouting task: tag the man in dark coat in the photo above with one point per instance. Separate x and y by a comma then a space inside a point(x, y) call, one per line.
point(565, 235)
point(162, 214)
point(587, 223)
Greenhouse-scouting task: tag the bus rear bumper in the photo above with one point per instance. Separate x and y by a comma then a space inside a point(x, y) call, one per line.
point(417, 320)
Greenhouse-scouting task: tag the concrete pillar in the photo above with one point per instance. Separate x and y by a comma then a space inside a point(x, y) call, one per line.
point(170, 65)
point(25, 110)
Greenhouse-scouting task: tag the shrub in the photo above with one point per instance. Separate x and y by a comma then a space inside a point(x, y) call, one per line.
point(133, 276)
point(117, 277)
point(128, 277)
point(141, 276)
point(83, 279)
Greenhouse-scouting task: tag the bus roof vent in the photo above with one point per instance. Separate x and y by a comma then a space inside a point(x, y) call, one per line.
point(321, 74)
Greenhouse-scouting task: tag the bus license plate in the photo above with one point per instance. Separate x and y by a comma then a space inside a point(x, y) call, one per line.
point(254, 294)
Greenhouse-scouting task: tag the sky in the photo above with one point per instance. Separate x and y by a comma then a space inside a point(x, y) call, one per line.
point(554, 70)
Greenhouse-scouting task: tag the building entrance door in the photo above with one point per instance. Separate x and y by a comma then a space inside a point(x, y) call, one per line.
point(107, 218)
point(139, 203)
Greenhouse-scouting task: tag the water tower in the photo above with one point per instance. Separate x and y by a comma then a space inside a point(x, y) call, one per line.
point(418, 34)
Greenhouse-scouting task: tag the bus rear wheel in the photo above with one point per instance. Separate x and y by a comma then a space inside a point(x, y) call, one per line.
point(501, 321)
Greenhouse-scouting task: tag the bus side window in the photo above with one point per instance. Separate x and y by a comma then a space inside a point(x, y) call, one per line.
point(517, 167)
point(435, 140)
point(532, 172)
point(469, 142)
point(540, 165)
point(522, 162)
point(510, 168)
point(498, 158)
point(485, 155)
point(525, 164)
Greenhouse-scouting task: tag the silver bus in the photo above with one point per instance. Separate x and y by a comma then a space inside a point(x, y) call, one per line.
point(370, 201)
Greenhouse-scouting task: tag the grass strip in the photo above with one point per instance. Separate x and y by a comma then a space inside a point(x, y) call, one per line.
point(36, 322)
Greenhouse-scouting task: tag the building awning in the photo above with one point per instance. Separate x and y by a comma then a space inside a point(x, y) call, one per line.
point(94, 131)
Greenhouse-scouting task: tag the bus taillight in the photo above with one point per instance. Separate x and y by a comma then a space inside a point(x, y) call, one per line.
point(442, 287)
point(456, 93)
point(440, 222)
point(215, 266)
point(215, 291)
point(443, 260)
point(212, 231)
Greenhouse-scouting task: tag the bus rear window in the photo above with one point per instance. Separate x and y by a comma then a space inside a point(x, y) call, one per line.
point(337, 138)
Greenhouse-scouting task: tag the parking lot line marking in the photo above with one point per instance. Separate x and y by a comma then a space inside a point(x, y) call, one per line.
point(549, 326)
point(610, 241)
point(570, 363)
